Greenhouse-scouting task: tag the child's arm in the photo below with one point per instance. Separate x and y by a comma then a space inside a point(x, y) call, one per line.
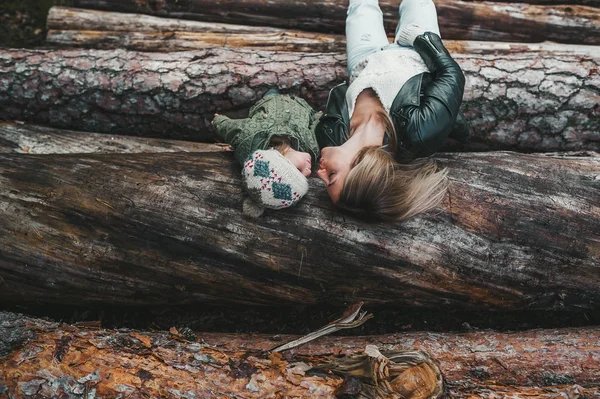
point(227, 129)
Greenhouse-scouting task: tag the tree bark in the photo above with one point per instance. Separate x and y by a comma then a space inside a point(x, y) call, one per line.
point(516, 232)
point(185, 41)
point(542, 100)
point(46, 359)
point(164, 95)
point(73, 27)
point(32, 139)
point(461, 20)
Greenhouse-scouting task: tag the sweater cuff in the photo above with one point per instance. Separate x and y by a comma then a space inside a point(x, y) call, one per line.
point(217, 119)
point(408, 34)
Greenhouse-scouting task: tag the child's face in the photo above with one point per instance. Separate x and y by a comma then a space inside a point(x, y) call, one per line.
point(301, 160)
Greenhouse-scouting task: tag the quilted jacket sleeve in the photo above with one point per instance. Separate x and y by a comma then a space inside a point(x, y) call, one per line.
point(228, 130)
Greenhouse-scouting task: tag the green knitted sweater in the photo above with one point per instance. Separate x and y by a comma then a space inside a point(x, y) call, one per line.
point(273, 115)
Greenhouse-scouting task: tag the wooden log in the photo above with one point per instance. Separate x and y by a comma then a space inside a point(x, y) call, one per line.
point(73, 27)
point(184, 41)
point(33, 139)
point(42, 358)
point(458, 19)
point(516, 232)
point(90, 28)
point(541, 357)
point(152, 365)
point(503, 392)
point(166, 95)
point(532, 100)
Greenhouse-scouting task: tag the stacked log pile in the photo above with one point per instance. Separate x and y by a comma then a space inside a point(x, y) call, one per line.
point(91, 218)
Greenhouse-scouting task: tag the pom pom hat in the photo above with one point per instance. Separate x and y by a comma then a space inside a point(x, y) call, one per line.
point(272, 180)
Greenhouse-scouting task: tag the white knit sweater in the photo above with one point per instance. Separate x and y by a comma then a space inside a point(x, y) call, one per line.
point(385, 72)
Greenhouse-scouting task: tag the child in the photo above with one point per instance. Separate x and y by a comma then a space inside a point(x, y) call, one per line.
point(276, 146)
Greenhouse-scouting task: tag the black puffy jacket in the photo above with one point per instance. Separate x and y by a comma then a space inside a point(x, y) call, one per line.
point(424, 112)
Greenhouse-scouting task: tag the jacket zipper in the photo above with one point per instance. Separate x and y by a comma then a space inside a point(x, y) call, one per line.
point(428, 40)
point(331, 91)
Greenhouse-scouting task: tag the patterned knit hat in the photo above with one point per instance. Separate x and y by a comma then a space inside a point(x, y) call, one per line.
point(272, 180)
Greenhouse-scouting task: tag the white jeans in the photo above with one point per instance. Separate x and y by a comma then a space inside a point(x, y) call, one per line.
point(365, 33)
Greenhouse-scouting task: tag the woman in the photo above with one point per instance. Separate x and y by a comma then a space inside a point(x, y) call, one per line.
point(402, 103)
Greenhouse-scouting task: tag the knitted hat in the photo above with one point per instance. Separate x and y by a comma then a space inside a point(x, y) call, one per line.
point(272, 180)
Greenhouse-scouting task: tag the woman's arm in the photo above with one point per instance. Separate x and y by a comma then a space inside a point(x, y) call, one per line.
point(448, 79)
point(442, 96)
point(460, 129)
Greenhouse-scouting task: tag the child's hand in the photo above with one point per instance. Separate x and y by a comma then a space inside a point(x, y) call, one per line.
point(301, 161)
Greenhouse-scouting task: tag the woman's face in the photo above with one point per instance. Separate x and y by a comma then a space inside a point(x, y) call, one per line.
point(334, 166)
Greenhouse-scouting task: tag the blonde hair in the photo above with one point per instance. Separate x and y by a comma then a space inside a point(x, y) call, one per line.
point(379, 187)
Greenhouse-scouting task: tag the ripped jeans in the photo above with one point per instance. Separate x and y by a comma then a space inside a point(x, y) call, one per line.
point(366, 35)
